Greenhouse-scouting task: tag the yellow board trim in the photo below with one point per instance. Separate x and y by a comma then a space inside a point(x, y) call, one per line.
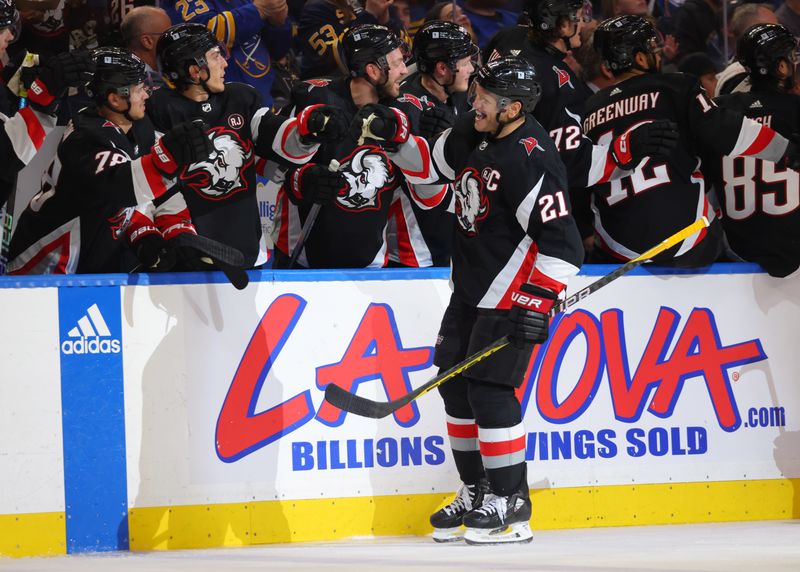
point(34, 534)
point(266, 522)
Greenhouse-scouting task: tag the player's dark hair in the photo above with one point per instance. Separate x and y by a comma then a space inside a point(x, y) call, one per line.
point(545, 17)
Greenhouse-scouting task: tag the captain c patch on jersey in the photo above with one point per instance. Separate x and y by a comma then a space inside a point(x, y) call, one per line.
point(472, 205)
point(220, 176)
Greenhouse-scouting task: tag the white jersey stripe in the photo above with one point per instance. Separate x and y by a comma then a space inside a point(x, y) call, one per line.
point(527, 205)
point(555, 268)
point(502, 282)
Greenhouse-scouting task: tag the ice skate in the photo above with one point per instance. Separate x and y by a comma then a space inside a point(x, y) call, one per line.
point(447, 521)
point(499, 520)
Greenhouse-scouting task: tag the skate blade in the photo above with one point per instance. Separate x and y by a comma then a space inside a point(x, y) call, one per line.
point(515, 533)
point(448, 534)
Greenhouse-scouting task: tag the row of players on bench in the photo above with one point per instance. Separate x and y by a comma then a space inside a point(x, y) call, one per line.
point(632, 152)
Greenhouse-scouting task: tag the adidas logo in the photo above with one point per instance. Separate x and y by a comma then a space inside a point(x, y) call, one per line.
point(756, 105)
point(90, 335)
point(615, 91)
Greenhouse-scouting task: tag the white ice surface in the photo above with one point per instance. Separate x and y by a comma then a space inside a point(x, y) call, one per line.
point(758, 547)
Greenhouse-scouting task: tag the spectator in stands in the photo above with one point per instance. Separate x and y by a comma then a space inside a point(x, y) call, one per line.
point(487, 19)
point(256, 32)
point(445, 11)
point(789, 15)
point(700, 66)
point(141, 28)
point(324, 23)
point(698, 27)
point(735, 77)
point(613, 8)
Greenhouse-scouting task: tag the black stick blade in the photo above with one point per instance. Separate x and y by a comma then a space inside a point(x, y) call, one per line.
point(356, 404)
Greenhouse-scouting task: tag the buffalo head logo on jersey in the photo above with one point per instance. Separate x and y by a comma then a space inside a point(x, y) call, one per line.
point(368, 173)
point(221, 175)
point(472, 205)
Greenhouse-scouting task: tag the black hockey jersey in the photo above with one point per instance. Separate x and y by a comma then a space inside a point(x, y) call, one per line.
point(22, 133)
point(350, 232)
point(221, 191)
point(660, 197)
point(320, 30)
point(760, 201)
point(560, 109)
point(422, 221)
point(513, 219)
point(75, 224)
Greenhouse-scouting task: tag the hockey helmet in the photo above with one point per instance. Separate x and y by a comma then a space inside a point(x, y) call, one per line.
point(116, 70)
point(512, 79)
point(182, 46)
point(763, 46)
point(544, 14)
point(440, 41)
point(9, 18)
point(618, 39)
point(368, 44)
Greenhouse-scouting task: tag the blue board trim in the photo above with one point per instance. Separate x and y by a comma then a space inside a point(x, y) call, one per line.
point(93, 419)
point(105, 280)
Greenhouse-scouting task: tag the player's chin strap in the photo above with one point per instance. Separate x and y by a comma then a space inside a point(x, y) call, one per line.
point(126, 113)
point(500, 123)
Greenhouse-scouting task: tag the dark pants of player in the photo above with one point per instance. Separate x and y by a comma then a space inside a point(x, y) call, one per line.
point(280, 261)
point(484, 418)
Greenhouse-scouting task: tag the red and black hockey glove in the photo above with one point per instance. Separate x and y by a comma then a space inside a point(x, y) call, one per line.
point(184, 144)
point(388, 127)
point(530, 323)
point(434, 120)
point(47, 82)
point(321, 123)
point(651, 139)
point(314, 183)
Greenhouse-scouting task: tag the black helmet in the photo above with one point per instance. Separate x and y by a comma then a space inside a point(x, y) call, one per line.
point(440, 41)
point(618, 39)
point(182, 46)
point(9, 17)
point(762, 47)
point(544, 14)
point(116, 70)
point(368, 44)
point(511, 78)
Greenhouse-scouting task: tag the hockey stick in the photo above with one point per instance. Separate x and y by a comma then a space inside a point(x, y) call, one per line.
point(352, 403)
point(310, 220)
point(229, 260)
point(7, 210)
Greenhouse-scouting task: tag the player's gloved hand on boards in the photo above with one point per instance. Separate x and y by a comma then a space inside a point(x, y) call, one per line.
point(386, 126)
point(153, 254)
point(313, 183)
point(184, 144)
point(434, 120)
point(791, 157)
point(47, 82)
point(321, 123)
point(651, 139)
point(530, 323)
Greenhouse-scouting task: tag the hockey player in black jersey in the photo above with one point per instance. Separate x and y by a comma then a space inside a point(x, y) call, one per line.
point(23, 130)
point(667, 191)
point(422, 217)
point(350, 231)
point(554, 30)
point(221, 191)
point(516, 246)
point(760, 200)
point(108, 165)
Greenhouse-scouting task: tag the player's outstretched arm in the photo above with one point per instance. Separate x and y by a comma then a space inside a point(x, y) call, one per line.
point(292, 141)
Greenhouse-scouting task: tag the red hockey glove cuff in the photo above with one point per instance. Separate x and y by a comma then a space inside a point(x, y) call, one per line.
point(534, 298)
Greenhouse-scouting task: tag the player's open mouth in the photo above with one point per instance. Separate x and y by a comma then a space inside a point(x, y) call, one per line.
point(479, 115)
